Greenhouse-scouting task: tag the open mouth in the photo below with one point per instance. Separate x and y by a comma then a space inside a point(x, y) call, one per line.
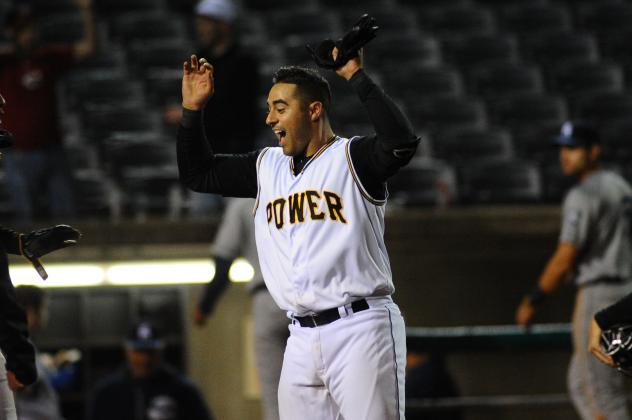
point(280, 135)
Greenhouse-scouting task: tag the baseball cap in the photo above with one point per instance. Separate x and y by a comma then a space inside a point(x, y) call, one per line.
point(217, 9)
point(144, 336)
point(575, 134)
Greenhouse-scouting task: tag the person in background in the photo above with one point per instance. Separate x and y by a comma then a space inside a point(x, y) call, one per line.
point(231, 119)
point(38, 401)
point(146, 388)
point(236, 237)
point(29, 71)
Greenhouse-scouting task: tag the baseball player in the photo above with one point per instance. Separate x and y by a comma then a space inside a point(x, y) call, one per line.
point(596, 250)
point(319, 226)
point(236, 237)
point(17, 359)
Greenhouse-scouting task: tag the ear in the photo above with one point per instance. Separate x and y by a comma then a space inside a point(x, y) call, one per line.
point(316, 111)
point(595, 152)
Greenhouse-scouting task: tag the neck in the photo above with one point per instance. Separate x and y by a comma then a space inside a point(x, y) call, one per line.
point(321, 138)
point(588, 172)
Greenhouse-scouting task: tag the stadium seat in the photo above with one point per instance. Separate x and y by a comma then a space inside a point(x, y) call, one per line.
point(481, 50)
point(392, 52)
point(62, 28)
point(391, 19)
point(605, 17)
point(95, 195)
point(114, 7)
point(415, 82)
point(497, 81)
point(454, 24)
point(582, 79)
point(95, 88)
point(124, 151)
point(530, 19)
point(554, 183)
point(147, 26)
point(603, 108)
point(447, 113)
point(163, 86)
point(523, 110)
point(303, 24)
point(460, 146)
point(359, 5)
point(267, 5)
point(423, 182)
point(616, 142)
point(81, 157)
point(501, 182)
point(101, 123)
point(559, 49)
point(158, 54)
point(51, 7)
point(535, 141)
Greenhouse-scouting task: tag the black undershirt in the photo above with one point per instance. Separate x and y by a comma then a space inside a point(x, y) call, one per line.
point(375, 158)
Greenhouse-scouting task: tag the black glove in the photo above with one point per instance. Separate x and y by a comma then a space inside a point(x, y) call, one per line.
point(362, 32)
point(43, 241)
point(616, 342)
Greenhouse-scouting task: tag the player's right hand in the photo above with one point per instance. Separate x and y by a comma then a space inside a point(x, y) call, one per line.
point(525, 312)
point(199, 318)
point(14, 383)
point(197, 83)
point(594, 344)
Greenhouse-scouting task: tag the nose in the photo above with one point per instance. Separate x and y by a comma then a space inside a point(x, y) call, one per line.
point(271, 119)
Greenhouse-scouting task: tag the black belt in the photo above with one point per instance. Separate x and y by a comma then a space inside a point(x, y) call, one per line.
point(330, 315)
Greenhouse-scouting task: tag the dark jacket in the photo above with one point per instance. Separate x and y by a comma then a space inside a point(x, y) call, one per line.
point(165, 395)
point(14, 337)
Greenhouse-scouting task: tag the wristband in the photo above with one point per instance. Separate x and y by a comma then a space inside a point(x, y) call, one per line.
point(536, 296)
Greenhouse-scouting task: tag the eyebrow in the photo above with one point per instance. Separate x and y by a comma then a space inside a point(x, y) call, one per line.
point(279, 101)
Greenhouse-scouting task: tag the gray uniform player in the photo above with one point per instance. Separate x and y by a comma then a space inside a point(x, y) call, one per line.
point(236, 237)
point(595, 247)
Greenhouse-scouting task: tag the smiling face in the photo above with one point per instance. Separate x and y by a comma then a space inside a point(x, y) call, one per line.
point(289, 118)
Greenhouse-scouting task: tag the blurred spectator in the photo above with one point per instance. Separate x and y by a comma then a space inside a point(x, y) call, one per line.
point(235, 237)
point(38, 401)
point(146, 388)
point(428, 377)
point(29, 70)
point(230, 119)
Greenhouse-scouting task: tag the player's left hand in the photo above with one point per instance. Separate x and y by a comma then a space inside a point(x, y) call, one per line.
point(594, 344)
point(352, 66)
point(14, 383)
point(525, 312)
point(43, 241)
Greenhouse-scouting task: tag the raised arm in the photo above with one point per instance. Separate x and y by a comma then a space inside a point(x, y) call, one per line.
point(200, 169)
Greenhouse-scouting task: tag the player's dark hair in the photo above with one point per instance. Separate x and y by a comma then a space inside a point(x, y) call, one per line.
point(312, 86)
point(30, 296)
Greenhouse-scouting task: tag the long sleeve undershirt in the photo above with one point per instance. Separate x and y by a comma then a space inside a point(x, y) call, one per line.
point(375, 157)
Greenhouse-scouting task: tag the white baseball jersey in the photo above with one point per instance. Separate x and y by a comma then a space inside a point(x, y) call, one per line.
point(320, 236)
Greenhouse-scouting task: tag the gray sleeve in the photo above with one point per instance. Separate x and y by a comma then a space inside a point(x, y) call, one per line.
point(229, 237)
point(575, 219)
